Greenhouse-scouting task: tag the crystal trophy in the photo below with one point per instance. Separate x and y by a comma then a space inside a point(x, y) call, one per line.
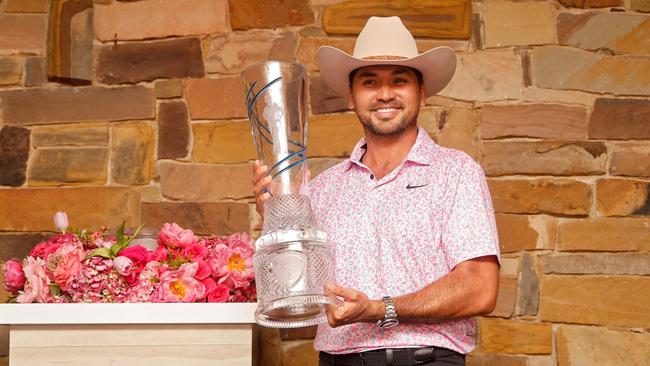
point(292, 260)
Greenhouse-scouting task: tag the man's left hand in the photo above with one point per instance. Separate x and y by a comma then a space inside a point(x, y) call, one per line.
point(356, 307)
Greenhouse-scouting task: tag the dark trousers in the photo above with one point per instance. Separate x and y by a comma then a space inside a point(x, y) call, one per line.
point(428, 356)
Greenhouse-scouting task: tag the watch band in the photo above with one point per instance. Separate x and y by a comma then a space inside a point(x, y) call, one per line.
point(390, 317)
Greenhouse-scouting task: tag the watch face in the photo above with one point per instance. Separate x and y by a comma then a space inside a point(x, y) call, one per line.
point(389, 323)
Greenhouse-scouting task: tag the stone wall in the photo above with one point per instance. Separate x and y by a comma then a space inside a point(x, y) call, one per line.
point(551, 97)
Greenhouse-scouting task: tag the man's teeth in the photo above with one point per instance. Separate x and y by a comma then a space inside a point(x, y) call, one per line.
point(386, 109)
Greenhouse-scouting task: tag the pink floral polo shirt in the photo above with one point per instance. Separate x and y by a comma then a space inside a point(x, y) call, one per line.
point(398, 234)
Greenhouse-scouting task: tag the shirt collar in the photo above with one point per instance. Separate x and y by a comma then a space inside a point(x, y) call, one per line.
point(420, 152)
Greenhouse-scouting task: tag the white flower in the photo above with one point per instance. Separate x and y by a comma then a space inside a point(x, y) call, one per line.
point(61, 221)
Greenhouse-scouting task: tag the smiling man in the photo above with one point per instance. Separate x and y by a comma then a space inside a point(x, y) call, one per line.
point(411, 222)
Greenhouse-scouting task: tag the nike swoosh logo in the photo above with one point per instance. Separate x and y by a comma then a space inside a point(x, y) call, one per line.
point(411, 187)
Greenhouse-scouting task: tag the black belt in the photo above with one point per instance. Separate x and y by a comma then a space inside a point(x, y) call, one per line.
point(388, 357)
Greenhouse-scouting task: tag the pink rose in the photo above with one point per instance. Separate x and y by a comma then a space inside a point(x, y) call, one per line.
point(65, 263)
point(123, 265)
point(44, 249)
point(173, 235)
point(203, 270)
point(14, 278)
point(195, 251)
point(219, 293)
point(137, 254)
point(36, 282)
point(233, 266)
point(41, 248)
point(179, 285)
point(209, 284)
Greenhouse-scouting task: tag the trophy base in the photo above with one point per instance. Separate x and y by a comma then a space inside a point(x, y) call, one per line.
point(293, 312)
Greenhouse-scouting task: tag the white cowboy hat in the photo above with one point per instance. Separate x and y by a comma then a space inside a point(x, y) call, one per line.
point(386, 41)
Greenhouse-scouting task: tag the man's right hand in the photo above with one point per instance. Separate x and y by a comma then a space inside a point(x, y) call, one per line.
point(260, 183)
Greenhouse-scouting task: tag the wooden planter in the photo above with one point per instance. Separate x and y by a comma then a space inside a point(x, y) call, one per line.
point(130, 334)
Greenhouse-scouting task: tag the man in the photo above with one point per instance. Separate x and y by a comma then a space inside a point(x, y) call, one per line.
point(411, 222)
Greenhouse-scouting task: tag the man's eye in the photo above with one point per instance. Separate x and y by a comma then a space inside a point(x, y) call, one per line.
point(368, 82)
point(400, 81)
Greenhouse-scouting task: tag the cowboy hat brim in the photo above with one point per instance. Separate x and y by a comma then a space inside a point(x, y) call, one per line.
point(436, 65)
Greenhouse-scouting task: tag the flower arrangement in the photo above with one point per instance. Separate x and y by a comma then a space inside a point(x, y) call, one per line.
point(79, 266)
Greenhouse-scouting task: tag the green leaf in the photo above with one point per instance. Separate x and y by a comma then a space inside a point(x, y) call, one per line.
point(115, 248)
point(100, 252)
point(54, 289)
point(119, 236)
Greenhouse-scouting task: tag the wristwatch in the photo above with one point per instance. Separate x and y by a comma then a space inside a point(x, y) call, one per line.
point(390, 318)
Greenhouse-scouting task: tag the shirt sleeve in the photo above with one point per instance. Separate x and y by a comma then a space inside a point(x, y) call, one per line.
point(470, 229)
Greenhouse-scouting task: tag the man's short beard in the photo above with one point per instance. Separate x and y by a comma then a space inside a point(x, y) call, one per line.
point(404, 124)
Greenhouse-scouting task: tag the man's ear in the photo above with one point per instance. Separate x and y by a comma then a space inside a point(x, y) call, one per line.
point(350, 101)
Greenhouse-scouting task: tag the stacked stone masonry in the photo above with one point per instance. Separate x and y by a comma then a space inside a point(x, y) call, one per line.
point(551, 97)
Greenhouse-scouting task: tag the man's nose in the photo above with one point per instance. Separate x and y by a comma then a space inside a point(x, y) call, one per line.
point(385, 93)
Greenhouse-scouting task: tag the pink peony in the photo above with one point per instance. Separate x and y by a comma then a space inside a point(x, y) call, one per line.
point(65, 263)
point(211, 242)
point(195, 251)
point(233, 266)
point(123, 265)
point(36, 282)
point(173, 235)
point(179, 285)
point(237, 240)
point(14, 278)
point(220, 293)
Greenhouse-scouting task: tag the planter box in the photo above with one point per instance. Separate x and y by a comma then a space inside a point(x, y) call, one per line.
point(130, 334)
